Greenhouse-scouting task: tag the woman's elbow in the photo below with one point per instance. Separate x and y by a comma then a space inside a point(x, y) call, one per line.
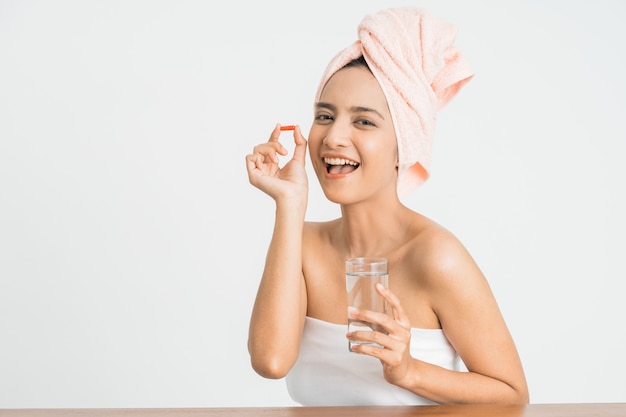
point(271, 367)
point(518, 394)
point(523, 396)
point(270, 362)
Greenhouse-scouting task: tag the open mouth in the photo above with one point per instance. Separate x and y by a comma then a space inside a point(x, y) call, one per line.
point(335, 166)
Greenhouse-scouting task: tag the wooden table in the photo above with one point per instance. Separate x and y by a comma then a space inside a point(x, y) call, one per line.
point(532, 410)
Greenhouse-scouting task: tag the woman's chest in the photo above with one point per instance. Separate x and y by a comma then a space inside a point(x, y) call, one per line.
point(325, 277)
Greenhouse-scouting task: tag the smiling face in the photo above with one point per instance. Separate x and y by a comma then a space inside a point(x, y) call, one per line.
point(352, 141)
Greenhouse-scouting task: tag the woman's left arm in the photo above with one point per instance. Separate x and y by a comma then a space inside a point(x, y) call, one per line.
point(472, 322)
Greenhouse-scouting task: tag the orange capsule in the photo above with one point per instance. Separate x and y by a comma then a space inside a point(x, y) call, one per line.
point(288, 127)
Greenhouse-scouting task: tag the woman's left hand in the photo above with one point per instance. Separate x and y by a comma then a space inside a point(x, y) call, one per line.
point(394, 347)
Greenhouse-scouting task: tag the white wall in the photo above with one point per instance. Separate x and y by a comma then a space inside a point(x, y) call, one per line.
point(131, 243)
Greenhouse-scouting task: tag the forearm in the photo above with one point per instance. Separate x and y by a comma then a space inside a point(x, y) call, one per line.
point(280, 306)
point(451, 387)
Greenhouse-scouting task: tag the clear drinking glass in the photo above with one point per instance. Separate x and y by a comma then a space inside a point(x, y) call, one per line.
point(362, 275)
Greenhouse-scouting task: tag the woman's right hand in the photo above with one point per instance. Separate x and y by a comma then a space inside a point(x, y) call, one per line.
point(290, 181)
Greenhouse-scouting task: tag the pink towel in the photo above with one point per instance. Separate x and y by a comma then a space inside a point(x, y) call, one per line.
point(410, 53)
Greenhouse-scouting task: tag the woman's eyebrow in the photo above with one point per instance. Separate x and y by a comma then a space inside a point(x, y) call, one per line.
point(324, 105)
point(355, 109)
point(359, 109)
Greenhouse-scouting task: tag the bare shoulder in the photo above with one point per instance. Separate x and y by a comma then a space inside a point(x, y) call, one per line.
point(458, 291)
point(434, 246)
point(316, 232)
point(461, 298)
point(317, 244)
point(443, 260)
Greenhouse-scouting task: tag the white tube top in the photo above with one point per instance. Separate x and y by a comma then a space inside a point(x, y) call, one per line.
point(326, 373)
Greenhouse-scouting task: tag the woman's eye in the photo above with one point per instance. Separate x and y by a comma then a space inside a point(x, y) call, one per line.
point(323, 117)
point(365, 122)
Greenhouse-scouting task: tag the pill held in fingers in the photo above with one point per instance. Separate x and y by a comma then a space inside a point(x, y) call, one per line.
point(288, 127)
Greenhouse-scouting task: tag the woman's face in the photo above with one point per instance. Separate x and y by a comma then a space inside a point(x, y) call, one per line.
point(352, 142)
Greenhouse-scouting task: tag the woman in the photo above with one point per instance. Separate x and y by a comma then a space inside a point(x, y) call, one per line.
point(369, 144)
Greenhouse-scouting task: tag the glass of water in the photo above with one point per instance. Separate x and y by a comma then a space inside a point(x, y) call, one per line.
point(362, 275)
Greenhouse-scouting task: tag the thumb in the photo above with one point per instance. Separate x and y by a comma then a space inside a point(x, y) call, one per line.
point(299, 153)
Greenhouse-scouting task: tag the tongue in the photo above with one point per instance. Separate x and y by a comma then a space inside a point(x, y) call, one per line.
point(341, 169)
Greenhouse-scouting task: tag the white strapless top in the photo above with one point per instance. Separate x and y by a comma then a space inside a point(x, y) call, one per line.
point(328, 374)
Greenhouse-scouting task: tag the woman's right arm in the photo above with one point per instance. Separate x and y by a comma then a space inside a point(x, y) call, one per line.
point(280, 306)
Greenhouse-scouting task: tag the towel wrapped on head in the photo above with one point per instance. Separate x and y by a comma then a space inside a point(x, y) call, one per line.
point(410, 53)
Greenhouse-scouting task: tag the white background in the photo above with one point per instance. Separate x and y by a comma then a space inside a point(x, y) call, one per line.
point(131, 243)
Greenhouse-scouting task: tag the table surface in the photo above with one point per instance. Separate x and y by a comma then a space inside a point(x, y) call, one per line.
point(531, 410)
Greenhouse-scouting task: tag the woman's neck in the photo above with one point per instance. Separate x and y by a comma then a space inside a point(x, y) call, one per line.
point(373, 228)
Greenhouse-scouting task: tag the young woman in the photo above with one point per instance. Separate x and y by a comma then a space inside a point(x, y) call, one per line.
point(441, 306)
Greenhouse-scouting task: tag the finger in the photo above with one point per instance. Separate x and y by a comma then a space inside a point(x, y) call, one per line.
point(377, 321)
point(275, 144)
point(254, 166)
point(251, 162)
point(275, 135)
point(269, 150)
point(299, 153)
point(397, 310)
point(379, 339)
point(376, 344)
point(259, 162)
point(268, 147)
point(258, 158)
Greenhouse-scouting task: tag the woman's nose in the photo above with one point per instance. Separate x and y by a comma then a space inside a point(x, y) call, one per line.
point(337, 135)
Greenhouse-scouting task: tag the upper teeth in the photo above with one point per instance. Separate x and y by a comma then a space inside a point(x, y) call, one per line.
point(340, 161)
